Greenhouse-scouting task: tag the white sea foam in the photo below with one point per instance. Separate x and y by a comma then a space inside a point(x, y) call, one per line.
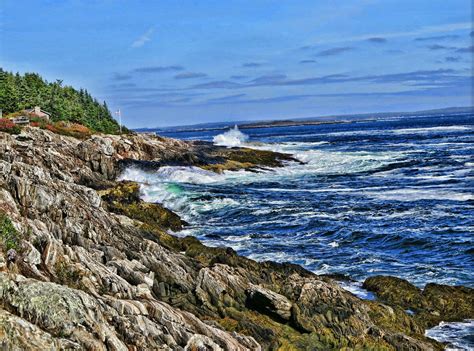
point(413, 194)
point(458, 335)
point(190, 175)
point(281, 256)
point(316, 162)
point(231, 138)
point(163, 185)
point(357, 289)
point(215, 204)
point(178, 174)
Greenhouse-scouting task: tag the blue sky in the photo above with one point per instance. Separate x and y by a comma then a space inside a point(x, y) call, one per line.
point(185, 62)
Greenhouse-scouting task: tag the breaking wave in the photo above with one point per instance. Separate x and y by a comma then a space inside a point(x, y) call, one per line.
point(231, 138)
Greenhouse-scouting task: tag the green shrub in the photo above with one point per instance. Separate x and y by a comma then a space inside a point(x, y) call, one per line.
point(9, 236)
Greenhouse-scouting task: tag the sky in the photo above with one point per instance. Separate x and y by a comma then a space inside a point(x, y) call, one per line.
point(171, 62)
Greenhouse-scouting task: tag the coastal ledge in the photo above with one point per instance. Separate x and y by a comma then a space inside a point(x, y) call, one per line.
point(86, 264)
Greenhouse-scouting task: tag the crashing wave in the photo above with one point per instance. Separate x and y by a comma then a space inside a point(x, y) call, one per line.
point(231, 138)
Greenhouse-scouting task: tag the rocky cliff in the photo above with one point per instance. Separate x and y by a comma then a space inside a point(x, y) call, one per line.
point(86, 264)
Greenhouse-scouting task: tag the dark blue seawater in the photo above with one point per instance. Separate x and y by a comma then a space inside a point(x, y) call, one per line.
point(383, 197)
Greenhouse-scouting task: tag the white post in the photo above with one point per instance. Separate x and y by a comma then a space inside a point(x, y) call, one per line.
point(119, 114)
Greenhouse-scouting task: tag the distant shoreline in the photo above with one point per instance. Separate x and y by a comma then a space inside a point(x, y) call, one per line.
point(367, 117)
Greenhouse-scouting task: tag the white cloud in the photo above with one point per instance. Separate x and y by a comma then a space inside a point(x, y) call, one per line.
point(140, 41)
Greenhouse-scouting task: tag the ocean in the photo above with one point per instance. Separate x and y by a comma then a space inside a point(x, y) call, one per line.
point(392, 197)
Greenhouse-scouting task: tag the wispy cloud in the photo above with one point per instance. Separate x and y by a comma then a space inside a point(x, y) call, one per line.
point(145, 37)
point(466, 50)
point(395, 51)
point(425, 30)
point(412, 78)
point(190, 75)
point(425, 76)
point(252, 64)
point(334, 51)
point(121, 77)
point(438, 37)
point(269, 79)
point(238, 77)
point(439, 47)
point(221, 84)
point(122, 86)
point(460, 88)
point(158, 69)
point(452, 59)
point(228, 98)
point(307, 61)
point(377, 40)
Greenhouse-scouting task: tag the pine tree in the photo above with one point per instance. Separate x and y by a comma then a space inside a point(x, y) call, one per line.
point(65, 103)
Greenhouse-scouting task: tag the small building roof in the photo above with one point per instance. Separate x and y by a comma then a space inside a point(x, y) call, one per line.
point(34, 109)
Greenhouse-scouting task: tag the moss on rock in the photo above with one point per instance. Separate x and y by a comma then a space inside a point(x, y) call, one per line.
point(433, 304)
point(396, 291)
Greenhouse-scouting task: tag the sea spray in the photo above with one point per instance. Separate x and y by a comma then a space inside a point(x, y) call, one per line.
point(231, 138)
point(171, 186)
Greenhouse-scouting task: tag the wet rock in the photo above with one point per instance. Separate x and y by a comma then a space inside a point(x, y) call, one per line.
point(433, 304)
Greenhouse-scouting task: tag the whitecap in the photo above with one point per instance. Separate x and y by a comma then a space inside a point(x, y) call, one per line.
point(431, 129)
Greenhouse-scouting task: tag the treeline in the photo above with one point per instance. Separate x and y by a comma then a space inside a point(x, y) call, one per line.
point(19, 92)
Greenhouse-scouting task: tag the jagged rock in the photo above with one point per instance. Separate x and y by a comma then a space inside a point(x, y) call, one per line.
point(18, 334)
point(269, 302)
point(92, 322)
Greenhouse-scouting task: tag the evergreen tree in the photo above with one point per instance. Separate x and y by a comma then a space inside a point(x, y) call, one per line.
point(18, 92)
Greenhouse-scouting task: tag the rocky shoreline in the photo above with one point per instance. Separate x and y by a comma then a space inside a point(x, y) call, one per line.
point(86, 264)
